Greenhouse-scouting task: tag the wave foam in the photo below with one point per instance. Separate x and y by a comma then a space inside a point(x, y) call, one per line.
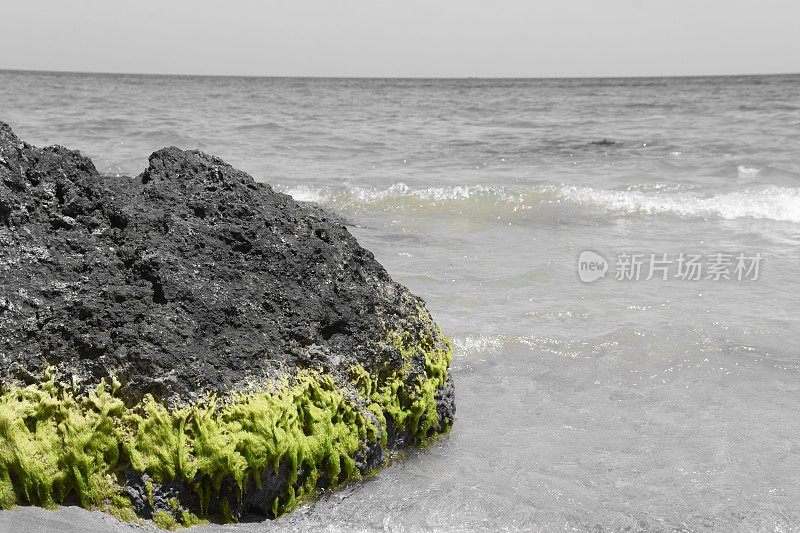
point(746, 172)
point(471, 345)
point(770, 202)
point(486, 345)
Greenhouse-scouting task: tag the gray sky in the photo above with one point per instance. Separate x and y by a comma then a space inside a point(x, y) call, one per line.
point(514, 38)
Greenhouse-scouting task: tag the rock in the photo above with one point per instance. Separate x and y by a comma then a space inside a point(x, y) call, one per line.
point(604, 142)
point(202, 340)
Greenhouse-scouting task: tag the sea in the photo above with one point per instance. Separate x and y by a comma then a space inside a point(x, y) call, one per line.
point(617, 263)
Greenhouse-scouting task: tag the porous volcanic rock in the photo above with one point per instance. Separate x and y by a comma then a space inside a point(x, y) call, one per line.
point(188, 284)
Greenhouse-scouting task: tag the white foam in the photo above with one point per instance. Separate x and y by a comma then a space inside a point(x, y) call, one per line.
point(355, 195)
point(769, 202)
point(303, 193)
point(471, 345)
point(745, 171)
point(484, 345)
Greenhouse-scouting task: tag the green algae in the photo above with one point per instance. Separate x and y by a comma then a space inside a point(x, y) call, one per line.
point(54, 444)
point(165, 520)
point(406, 396)
point(57, 444)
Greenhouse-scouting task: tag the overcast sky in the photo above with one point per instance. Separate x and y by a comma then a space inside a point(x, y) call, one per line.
point(437, 38)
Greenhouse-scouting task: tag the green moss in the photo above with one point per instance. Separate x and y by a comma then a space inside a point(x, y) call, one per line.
point(189, 519)
point(53, 443)
point(174, 504)
point(149, 491)
point(56, 443)
point(165, 520)
point(406, 396)
point(7, 496)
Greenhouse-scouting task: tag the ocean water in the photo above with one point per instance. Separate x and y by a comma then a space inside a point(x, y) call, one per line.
point(617, 404)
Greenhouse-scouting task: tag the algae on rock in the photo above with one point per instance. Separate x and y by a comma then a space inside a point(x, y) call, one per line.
point(56, 443)
point(192, 344)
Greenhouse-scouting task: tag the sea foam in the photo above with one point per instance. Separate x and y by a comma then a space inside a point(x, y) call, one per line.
point(769, 202)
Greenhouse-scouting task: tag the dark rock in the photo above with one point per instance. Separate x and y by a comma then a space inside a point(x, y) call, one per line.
point(186, 282)
point(187, 279)
point(149, 497)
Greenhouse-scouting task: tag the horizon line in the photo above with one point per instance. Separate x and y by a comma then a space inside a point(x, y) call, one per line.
point(272, 76)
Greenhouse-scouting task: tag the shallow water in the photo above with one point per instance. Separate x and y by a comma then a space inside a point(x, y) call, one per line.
point(641, 405)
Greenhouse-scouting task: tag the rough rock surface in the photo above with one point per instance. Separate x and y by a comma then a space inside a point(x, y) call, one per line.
point(189, 279)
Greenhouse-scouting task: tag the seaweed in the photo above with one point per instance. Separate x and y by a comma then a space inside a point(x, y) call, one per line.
point(58, 444)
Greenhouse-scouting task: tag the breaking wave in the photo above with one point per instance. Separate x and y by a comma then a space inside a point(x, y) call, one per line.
point(769, 202)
